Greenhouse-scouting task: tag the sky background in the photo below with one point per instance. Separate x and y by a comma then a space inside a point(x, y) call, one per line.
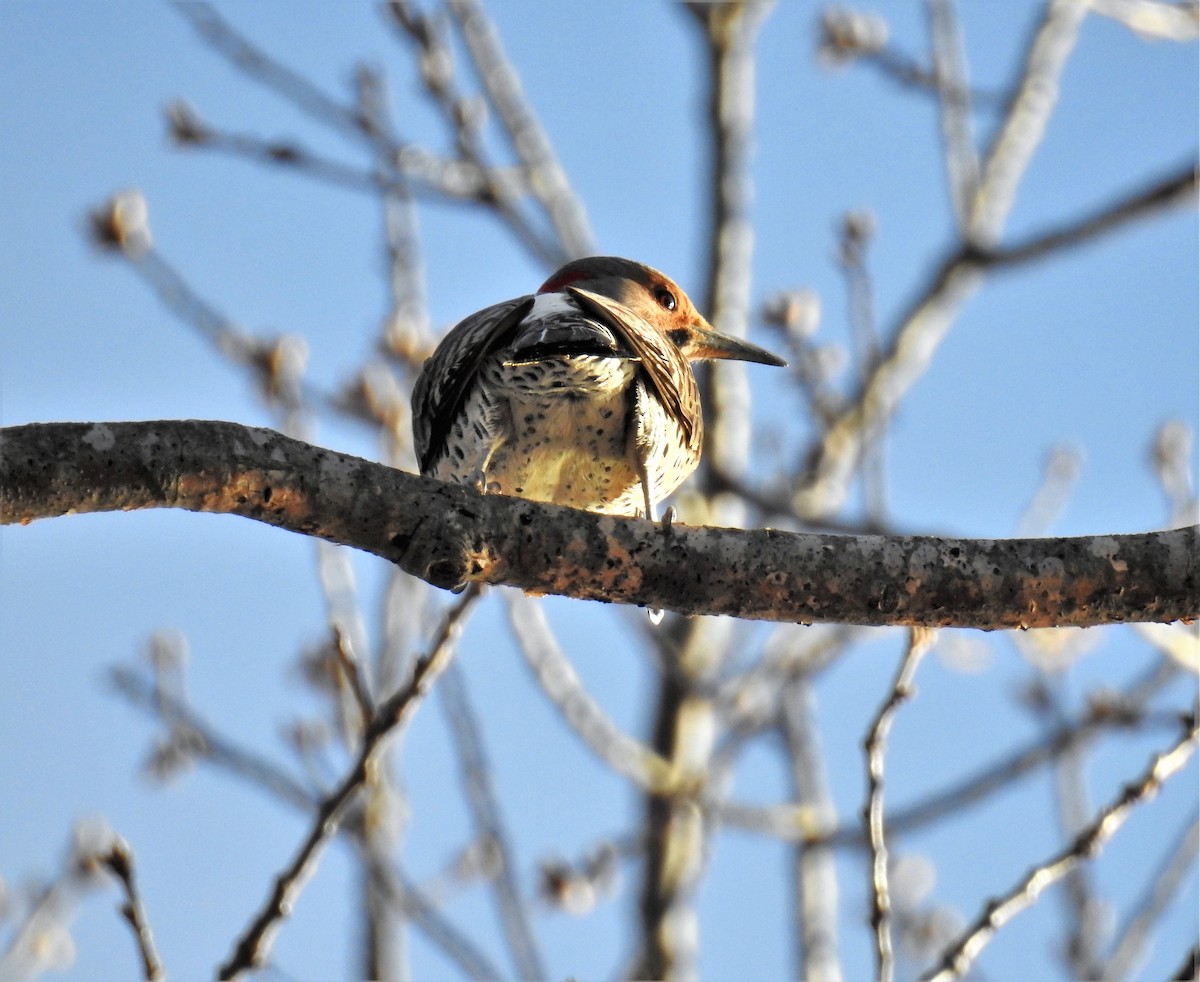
point(1093, 349)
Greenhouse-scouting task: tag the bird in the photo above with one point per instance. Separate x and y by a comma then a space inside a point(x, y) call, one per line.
point(581, 394)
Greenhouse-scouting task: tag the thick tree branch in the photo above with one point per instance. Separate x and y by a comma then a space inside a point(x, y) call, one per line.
point(449, 535)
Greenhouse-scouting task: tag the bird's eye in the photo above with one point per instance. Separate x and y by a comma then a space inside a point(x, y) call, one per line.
point(665, 298)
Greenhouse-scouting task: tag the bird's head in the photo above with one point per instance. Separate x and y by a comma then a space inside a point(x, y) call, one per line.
point(659, 301)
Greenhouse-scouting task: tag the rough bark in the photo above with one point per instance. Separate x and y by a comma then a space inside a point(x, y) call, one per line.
point(450, 535)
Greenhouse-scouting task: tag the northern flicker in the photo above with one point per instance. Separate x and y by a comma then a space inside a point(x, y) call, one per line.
point(581, 394)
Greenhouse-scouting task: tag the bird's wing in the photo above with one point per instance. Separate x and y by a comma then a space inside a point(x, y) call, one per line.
point(667, 370)
point(449, 373)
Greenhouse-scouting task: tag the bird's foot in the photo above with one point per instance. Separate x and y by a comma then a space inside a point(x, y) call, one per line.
point(479, 481)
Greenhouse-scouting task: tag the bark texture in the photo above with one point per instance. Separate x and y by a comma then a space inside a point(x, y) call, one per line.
point(449, 536)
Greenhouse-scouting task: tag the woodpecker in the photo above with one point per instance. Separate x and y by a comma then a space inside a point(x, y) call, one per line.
point(581, 394)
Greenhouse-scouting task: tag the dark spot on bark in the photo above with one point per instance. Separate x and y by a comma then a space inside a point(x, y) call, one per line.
point(444, 573)
point(266, 496)
point(400, 541)
point(888, 600)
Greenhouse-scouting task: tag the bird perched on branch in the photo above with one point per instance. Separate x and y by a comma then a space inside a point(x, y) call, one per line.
point(581, 394)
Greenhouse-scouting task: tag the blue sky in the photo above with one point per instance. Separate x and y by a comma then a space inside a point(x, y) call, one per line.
point(1092, 349)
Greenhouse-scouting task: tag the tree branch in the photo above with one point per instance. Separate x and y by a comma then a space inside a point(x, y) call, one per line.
point(251, 949)
point(997, 912)
point(450, 535)
point(875, 748)
point(119, 862)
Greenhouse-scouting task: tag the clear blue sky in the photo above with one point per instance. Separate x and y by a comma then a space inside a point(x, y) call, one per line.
point(1093, 349)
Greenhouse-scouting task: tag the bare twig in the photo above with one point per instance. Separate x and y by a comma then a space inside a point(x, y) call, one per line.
point(875, 746)
point(119, 862)
point(486, 812)
point(251, 948)
point(959, 957)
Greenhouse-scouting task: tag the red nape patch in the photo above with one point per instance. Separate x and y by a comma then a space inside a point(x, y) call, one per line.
point(556, 284)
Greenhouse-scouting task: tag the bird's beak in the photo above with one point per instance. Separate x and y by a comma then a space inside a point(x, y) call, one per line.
point(707, 344)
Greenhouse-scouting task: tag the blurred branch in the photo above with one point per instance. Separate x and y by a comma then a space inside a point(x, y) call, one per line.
point(856, 232)
point(220, 35)
point(957, 960)
point(1060, 471)
point(197, 738)
point(626, 755)
point(954, 101)
point(1171, 457)
point(352, 123)
point(845, 36)
point(1178, 865)
point(674, 833)
point(792, 824)
point(422, 173)
point(1154, 19)
point(251, 948)
point(875, 747)
point(41, 939)
point(119, 862)
point(1189, 969)
point(729, 32)
point(203, 742)
point(815, 876)
point(922, 327)
point(449, 535)
point(418, 908)
point(486, 814)
point(466, 121)
point(1033, 100)
point(1084, 933)
point(1172, 190)
point(122, 226)
point(545, 176)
